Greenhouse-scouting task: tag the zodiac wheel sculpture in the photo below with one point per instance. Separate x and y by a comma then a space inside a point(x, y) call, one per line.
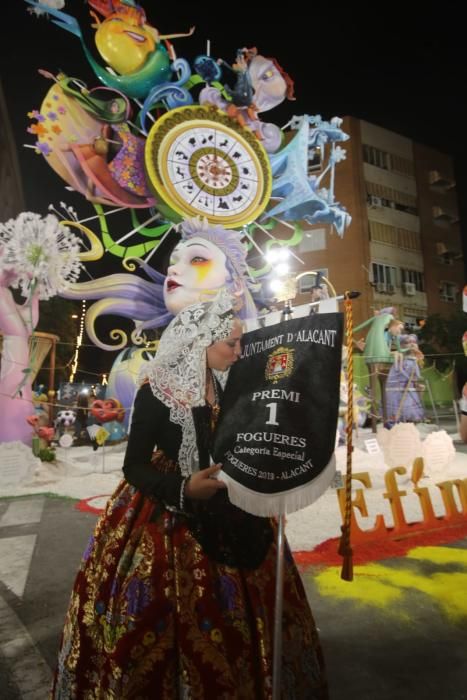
point(201, 162)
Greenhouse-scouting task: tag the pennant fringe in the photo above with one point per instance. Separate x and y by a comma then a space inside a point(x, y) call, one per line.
point(267, 505)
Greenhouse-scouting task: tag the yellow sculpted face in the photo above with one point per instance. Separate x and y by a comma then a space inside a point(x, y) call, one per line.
point(124, 43)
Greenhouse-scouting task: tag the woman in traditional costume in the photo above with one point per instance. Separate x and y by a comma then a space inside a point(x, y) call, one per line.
point(175, 594)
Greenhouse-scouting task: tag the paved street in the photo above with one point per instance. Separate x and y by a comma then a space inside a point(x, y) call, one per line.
point(41, 542)
point(412, 648)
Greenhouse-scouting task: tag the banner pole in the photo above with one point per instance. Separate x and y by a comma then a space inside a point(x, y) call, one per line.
point(277, 656)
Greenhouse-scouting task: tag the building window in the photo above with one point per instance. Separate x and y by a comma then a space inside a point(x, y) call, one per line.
point(392, 195)
point(381, 233)
point(391, 235)
point(404, 207)
point(314, 160)
point(402, 165)
point(448, 291)
point(374, 156)
point(313, 240)
point(384, 278)
point(411, 316)
point(408, 239)
point(375, 202)
point(413, 277)
point(388, 161)
point(307, 282)
point(410, 323)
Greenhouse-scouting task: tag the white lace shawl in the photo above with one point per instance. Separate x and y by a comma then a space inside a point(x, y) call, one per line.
point(177, 374)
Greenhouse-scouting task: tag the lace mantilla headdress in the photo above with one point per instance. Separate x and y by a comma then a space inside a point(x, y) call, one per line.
point(177, 374)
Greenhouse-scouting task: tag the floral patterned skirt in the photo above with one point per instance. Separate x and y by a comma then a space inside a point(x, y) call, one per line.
point(152, 617)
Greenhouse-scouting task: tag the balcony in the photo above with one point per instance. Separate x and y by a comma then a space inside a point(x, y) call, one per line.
point(447, 255)
point(443, 216)
point(440, 182)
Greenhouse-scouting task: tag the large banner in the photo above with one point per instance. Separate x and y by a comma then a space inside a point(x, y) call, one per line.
point(277, 428)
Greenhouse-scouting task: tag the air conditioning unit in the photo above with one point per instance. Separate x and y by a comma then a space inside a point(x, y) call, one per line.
point(409, 288)
point(375, 201)
point(381, 287)
point(390, 289)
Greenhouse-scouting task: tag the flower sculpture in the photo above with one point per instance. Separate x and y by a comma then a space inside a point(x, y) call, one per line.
point(38, 257)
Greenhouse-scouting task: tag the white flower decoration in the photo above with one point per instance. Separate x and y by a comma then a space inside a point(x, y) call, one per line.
point(339, 154)
point(43, 254)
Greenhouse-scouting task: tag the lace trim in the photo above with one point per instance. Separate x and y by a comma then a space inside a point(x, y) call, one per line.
point(177, 374)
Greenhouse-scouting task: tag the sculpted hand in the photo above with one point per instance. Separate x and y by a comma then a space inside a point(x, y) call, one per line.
point(202, 485)
point(16, 319)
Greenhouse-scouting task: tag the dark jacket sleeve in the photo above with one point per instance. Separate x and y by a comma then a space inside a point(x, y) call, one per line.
point(150, 427)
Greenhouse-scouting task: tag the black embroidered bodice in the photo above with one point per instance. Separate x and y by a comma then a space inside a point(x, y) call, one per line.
point(227, 534)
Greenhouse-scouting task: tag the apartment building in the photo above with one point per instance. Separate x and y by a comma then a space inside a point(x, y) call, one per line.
point(403, 247)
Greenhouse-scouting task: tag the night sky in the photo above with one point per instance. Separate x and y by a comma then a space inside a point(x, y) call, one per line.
point(398, 65)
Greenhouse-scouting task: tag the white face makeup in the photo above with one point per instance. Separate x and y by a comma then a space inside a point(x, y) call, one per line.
point(197, 268)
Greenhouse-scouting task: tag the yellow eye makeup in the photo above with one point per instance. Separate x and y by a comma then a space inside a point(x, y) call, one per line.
point(203, 268)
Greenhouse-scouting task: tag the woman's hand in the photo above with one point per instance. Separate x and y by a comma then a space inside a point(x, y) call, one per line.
point(203, 484)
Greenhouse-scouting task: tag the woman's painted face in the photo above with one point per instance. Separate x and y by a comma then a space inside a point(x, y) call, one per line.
point(224, 353)
point(269, 85)
point(197, 268)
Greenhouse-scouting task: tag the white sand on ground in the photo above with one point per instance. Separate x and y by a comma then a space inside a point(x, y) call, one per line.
point(81, 473)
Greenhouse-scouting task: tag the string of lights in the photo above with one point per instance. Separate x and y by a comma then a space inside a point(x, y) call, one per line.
point(79, 340)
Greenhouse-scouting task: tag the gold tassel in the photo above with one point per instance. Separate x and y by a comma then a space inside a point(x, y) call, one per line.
point(345, 549)
point(347, 567)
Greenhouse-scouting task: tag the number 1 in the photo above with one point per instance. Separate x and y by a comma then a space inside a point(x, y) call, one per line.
point(272, 414)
